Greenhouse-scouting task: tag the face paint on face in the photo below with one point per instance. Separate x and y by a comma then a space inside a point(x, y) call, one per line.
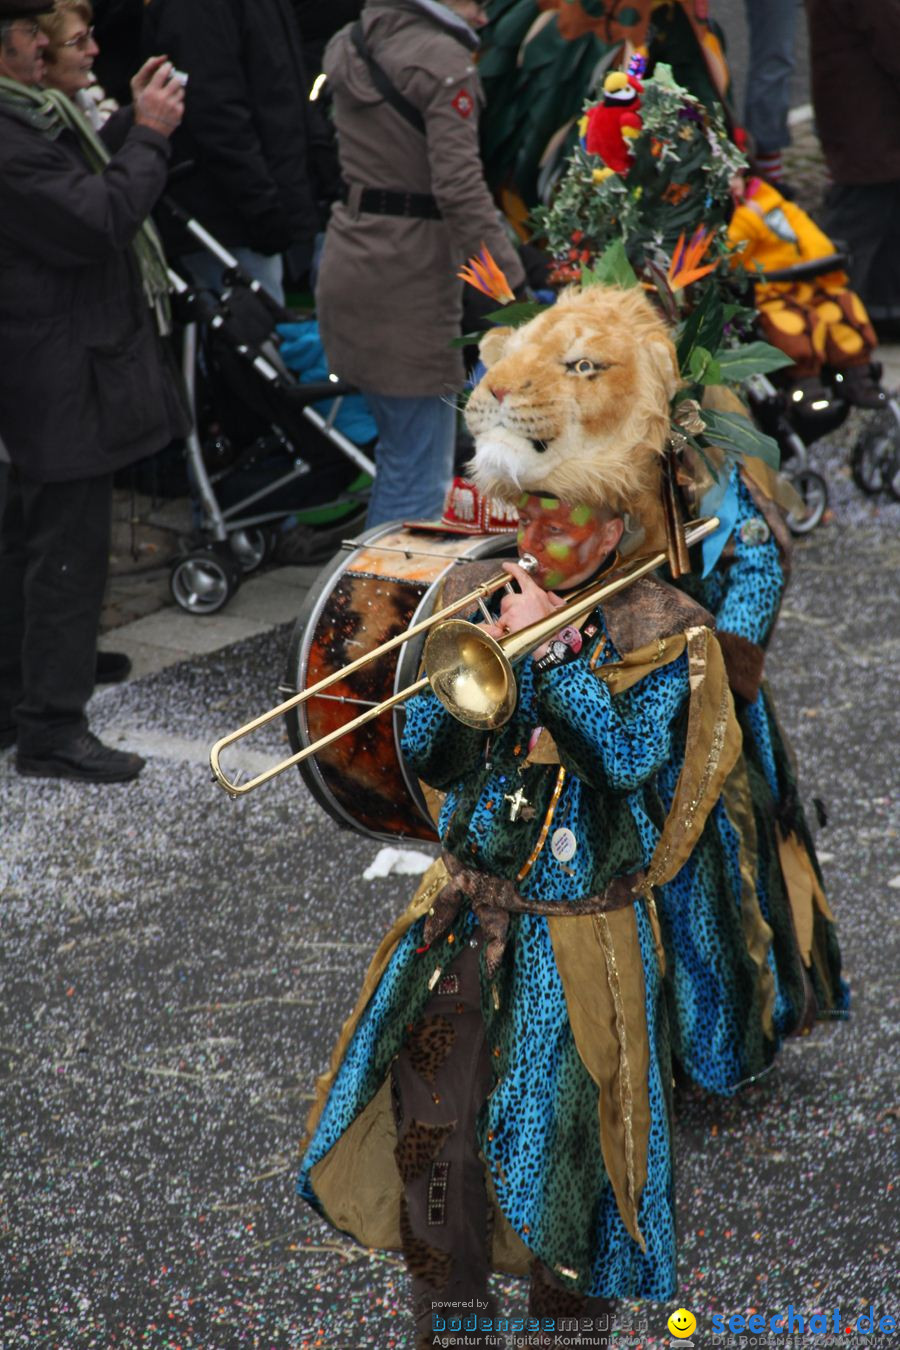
point(569, 542)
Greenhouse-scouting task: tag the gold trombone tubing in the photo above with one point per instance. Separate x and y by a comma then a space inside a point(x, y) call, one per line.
point(477, 596)
point(471, 673)
point(510, 648)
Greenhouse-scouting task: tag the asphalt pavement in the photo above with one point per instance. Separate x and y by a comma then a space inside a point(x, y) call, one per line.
point(176, 965)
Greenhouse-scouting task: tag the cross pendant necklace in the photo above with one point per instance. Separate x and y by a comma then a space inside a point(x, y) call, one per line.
point(517, 802)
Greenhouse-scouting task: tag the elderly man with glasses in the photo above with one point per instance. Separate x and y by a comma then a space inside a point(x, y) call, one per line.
point(84, 388)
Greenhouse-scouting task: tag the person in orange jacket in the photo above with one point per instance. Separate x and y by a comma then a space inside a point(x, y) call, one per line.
point(816, 322)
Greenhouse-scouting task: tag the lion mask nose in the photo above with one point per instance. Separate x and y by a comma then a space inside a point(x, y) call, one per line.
point(499, 393)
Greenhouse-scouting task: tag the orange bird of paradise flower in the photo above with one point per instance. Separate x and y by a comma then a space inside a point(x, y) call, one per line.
point(484, 274)
point(684, 268)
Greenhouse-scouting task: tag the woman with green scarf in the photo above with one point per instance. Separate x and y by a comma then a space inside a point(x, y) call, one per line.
point(86, 385)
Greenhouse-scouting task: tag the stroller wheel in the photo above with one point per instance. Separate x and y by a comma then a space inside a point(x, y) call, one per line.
point(252, 547)
point(875, 459)
point(814, 491)
point(205, 580)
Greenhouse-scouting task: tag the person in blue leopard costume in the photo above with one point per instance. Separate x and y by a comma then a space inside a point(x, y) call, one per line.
point(751, 941)
point(499, 1098)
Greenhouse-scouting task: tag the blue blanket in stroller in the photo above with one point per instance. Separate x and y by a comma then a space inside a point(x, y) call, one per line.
point(302, 352)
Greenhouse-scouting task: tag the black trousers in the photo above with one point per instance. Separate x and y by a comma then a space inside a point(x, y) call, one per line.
point(866, 217)
point(54, 560)
point(440, 1081)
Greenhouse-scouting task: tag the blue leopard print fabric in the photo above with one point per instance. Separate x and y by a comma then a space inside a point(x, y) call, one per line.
point(713, 987)
point(538, 1128)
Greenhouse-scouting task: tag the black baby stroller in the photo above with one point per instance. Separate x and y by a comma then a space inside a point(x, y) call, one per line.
point(784, 412)
point(265, 448)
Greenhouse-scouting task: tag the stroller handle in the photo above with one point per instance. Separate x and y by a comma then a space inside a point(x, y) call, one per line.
point(815, 267)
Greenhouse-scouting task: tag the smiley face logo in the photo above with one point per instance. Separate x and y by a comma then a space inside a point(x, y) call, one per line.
point(682, 1323)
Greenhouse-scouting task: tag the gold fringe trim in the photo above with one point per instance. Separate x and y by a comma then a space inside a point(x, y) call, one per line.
point(609, 1026)
point(805, 893)
point(626, 1098)
point(712, 747)
point(757, 933)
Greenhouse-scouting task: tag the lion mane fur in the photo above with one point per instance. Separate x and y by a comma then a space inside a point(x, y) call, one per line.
point(575, 404)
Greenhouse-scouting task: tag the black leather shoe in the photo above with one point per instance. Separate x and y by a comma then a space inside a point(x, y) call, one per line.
point(85, 758)
point(112, 667)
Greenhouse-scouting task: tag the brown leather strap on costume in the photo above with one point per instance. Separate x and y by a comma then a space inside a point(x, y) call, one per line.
point(493, 899)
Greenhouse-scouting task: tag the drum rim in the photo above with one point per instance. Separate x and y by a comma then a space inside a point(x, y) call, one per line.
point(479, 548)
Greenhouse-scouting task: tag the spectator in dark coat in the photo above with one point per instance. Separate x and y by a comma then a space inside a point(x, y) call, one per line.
point(245, 130)
point(319, 20)
point(117, 27)
point(855, 60)
point(83, 384)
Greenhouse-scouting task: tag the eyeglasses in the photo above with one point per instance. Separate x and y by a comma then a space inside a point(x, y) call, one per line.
point(30, 27)
point(80, 40)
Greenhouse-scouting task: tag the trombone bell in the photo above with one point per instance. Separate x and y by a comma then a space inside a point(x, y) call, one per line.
point(470, 674)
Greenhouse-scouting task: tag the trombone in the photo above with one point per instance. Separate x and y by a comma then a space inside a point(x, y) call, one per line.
point(469, 671)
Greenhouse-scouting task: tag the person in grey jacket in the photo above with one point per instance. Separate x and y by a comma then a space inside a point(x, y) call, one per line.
point(416, 208)
point(84, 388)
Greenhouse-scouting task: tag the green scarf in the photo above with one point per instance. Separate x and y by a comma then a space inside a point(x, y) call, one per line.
point(50, 112)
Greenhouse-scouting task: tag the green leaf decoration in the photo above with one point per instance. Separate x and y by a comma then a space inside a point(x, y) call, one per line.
point(704, 368)
point(737, 434)
point(468, 339)
point(612, 268)
point(754, 358)
point(513, 316)
point(703, 327)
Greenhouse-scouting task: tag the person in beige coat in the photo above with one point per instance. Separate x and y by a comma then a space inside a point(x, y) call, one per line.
point(406, 103)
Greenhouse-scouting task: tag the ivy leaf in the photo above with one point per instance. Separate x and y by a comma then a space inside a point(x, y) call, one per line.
point(737, 434)
point(754, 358)
point(612, 268)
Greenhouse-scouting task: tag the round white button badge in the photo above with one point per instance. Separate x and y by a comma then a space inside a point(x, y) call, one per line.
point(563, 845)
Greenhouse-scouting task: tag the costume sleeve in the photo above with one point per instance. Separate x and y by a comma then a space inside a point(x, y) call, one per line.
point(204, 38)
point(67, 214)
point(754, 575)
point(437, 747)
point(753, 578)
point(450, 104)
point(612, 742)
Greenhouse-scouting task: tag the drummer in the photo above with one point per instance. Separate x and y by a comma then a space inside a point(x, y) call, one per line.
point(498, 1099)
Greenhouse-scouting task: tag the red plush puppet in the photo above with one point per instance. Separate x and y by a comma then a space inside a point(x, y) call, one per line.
point(616, 121)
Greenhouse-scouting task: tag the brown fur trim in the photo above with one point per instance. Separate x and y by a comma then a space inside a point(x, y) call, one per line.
point(419, 1147)
point(650, 609)
point(429, 1046)
point(744, 662)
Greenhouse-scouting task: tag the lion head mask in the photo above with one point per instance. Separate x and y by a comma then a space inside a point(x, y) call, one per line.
point(575, 404)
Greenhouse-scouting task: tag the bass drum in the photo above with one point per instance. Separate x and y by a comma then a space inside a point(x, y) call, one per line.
point(388, 580)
